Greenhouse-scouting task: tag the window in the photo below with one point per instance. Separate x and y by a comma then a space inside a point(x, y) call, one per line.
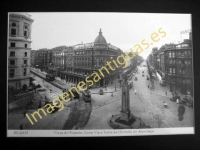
point(12, 54)
point(11, 73)
point(25, 62)
point(170, 70)
point(173, 70)
point(25, 30)
point(12, 44)
point(12, 62)
point(26, 45)
point(25, 33)
point(25, 54)
point(173, 54)
point(14, 24)
point(24, 71)
point(13, 32)
point(169, 54)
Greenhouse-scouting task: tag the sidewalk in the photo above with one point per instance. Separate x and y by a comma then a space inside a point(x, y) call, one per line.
point(161, 91)
point(50, 121)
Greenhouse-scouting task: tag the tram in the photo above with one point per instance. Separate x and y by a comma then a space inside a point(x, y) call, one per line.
point(86, 96)
point(50, 77)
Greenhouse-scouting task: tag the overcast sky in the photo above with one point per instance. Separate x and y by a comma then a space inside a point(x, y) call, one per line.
point(122, 30)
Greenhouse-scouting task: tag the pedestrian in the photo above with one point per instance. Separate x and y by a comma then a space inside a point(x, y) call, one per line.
point(24, 113)
point(135, 92)
point(21, 127)
point(166, 92)
point(148, 86)
point(181, 111)
point(165, 104)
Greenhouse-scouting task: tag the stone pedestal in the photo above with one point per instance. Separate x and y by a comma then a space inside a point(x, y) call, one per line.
point(126, 120)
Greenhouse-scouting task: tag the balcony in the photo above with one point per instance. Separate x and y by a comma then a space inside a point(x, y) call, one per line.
point(25, 65)
point(23, 14)
point(185, 47)
point(12, 66)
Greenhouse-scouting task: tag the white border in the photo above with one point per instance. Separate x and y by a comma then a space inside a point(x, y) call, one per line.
point(99, 133)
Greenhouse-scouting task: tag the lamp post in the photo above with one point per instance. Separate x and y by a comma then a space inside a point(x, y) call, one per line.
point(115, 85)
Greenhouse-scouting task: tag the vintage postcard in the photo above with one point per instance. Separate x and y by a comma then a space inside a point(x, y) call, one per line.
point(99, 74)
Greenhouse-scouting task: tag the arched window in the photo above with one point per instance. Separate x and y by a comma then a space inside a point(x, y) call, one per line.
point(26, 30)
point(13, 29)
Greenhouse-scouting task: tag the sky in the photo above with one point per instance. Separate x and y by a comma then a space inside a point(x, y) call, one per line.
point(123, 30)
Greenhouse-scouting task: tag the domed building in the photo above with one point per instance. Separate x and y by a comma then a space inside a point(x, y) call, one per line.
point(89, 58)
point(100, 39)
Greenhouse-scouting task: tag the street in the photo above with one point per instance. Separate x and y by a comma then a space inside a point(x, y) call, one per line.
point(145, 104)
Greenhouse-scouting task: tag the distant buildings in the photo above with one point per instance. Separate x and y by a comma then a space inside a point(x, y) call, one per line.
point(74, 63)
point(19, 47)
point(32, 57)
point(173, 62)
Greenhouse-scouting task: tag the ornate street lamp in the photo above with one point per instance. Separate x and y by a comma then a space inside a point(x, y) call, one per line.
point(115, 85)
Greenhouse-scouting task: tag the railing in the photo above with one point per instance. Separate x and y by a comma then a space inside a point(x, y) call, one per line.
point(24, 14)
point(185, 47)
point(12, 66)
point(25, 65)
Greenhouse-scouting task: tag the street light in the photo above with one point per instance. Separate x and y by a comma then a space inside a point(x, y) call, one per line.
point(115, 84)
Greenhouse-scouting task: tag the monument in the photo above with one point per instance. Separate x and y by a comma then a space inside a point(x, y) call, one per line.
point(126, 120)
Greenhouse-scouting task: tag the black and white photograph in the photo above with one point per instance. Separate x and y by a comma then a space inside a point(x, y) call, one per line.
point(82, 74)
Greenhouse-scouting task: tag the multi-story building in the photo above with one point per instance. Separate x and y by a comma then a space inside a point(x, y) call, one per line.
point(173, 62)
point(179, 72)
point(57, 60)
point(19, 47)
point(76, 62)
point(32, 57)
point(41, 58)
point(49, 58)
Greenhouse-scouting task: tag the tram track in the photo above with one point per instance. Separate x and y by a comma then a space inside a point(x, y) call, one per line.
point(54, 89)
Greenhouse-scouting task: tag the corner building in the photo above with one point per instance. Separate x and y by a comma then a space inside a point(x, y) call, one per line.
point(81, 60)
point(19, 47)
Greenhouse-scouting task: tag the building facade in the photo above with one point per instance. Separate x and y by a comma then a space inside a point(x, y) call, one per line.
point(40, 58)
point(32, 58)
point(76, 62)
point(173, 62)
point(19, 47)
point(179, 72)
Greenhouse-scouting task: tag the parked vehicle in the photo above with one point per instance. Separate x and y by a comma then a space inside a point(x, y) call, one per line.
point(143, 75)
point(101, 91)
point(186, 101)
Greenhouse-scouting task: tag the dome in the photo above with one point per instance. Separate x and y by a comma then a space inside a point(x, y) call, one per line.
point(100, 39)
